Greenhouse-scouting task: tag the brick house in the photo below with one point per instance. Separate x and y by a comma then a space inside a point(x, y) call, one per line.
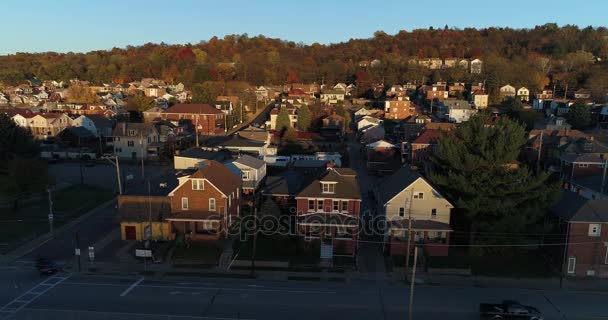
point(587, 224)
point(575, 166)
point(207, 119)
point(424, 144)
point(398, 108)
point(407, 192)
point(328, 211)
point(205, 203)
point(436, 92)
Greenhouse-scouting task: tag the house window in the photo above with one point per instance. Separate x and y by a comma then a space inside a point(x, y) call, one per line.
point(594, 229)
point(211, 204)
point(319, 205)
point(328, 187)
point(419, 195)
point(130, 143)
point(197, 184)
point(336, 205)
point(184, 203)
point(246, 175)
point(344, 205)
point(433, 213)
point(311, 205)
point(571, 265)
point(583, 165)
point(131, 132)
point(402, 212)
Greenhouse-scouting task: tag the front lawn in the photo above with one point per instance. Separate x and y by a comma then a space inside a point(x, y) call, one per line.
point(31, 219)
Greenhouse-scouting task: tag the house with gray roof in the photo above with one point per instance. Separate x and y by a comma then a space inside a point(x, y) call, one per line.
point(407, 195)
point(251, 170)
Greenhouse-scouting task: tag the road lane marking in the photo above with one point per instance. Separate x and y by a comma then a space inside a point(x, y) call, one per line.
point(200, 288)
point(126, 292)
point(147, 315)
point(32, 294)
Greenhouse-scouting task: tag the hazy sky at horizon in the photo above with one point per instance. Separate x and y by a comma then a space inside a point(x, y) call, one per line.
point(84, 25)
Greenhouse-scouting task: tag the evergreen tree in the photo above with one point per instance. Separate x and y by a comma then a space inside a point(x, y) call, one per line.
point(282, 121)
point(290, 135)
point(304, 118)
point(476, 169)
point(579, 116)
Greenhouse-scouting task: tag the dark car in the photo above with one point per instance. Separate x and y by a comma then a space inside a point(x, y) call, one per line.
point(509, 309)
point(47, 267)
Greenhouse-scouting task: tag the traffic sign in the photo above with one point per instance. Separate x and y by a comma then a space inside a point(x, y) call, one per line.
point(92, 253)
point(77, 251)
point(144, 253)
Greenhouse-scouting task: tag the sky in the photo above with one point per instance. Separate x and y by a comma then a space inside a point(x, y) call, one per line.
point(84, 25)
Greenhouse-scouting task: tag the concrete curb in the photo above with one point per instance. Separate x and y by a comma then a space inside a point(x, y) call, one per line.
point(41, 240)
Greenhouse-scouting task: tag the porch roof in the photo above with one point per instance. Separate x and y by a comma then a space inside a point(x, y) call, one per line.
point(191, 215)
point(328, 219)
point(419, 225)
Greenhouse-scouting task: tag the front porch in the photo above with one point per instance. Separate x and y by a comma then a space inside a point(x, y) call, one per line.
point(432, 236)
point(339, 232)
point(195, 230)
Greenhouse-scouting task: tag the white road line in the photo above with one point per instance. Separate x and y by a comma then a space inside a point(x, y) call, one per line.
point(124, 293)
point(44, 288)
point(149, 315)
point(198, 288)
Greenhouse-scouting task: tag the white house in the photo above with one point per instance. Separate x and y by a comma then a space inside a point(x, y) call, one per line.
point(458, 110)
point(136, 140)
point(367, 121)
point(333, 96)
point(523, 93)
point(480, 99)
point(507, 91)
point(476, 66)
point(252, 170)
point(99, 125)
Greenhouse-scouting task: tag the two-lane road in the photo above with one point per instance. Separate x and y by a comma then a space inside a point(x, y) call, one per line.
point(96, 297)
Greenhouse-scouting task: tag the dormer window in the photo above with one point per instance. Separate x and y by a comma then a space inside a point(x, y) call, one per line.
point(197, 184)
point(328, 187)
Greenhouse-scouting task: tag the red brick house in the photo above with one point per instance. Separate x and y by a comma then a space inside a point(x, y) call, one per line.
point(424, 144)
point(328, 211)
point(399, 108)
point(574, 166)
point(587, 221)
point(207, 119)
point(205, 203)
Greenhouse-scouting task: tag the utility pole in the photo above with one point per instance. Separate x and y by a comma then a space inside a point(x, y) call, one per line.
point(241, 111)
point(412, 283)
point(51, 217)
point(603, 187)
point(539, 153)
point(117, 165)
point(80, 162)
point(408, 206)
point(196, 130)
point(141, 143)
point(255, 238)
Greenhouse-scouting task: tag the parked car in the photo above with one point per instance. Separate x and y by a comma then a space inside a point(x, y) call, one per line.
point(509, 309)
point(47, 267)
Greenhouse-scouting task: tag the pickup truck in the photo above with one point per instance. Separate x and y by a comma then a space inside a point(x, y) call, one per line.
point(509, 309)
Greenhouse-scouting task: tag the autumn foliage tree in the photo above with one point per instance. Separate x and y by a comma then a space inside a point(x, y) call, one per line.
point(79, 93)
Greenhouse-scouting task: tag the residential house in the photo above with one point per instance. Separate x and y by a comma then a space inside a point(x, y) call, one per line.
point(44, 125)
point(591, 187)
point(407, 195)
point(142, 217)
point(332, 96)
point(251, 170)
point(395, 90)
point(274, 113)
point(424, 145)
point(100, 126)
point(413, 126)
point(225, 106)
point(544, 94)
point(154, 91)
point(328, 212)
point(21, 117)
point(333, 125)
point(372, 133)
point(136, 140)
point(382, 157)
point(449, 62)
point(458, 111)
point(435, 63)
point(262, 93)
point(560, 107)
point(464, 64)
point(238, 144)
point(367, 121)
point(399, 108)
point(480, 99)
point(553, 123)
point(205, 204)
point(577, 166)
point(476, 66)
point(507, 91)
point(523, 94)
point(153, 114)
point(436, 92)
point(207, 119)
point(456, 88)
point(587, 232)
point(190, 159)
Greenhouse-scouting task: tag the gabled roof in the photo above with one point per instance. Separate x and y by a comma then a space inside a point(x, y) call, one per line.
point(193, 108)
point(346, 188)
point(250, 161)
point(143, 208)
point(100, 121)
point(428, 136)
point(380, 144)
point(574, 208)
point(219, 175)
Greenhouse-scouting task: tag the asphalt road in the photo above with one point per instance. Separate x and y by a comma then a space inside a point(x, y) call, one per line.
point(61, 247)
point(96, 297)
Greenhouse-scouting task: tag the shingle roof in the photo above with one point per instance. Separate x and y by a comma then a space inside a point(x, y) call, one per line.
point(250, 161)
point(397, 182)
point(574, 208)
point(100, 121)
point(428, 136)
point(137, 208)
point(346, 187)
point(196, 108)
point(197, 153)
point(219, 175)
point(582, 158)
point(289, 183)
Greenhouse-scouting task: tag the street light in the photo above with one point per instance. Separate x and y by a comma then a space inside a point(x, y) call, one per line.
point(48, 189)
